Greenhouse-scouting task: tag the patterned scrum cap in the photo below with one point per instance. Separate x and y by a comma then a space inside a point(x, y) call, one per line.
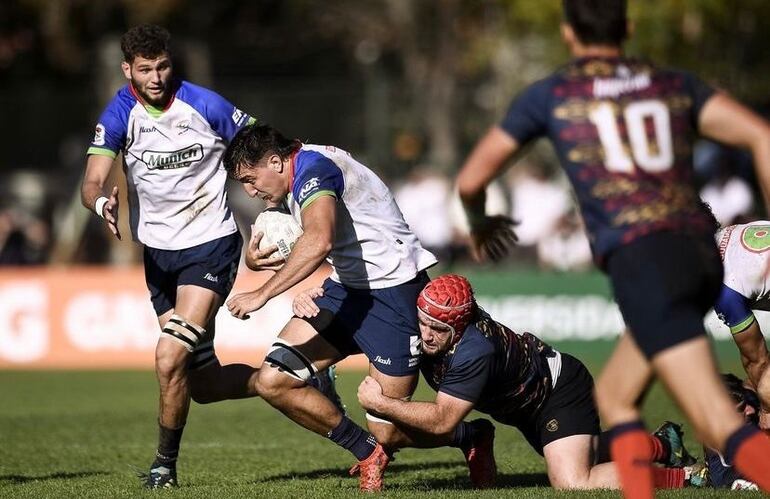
point(449, 300)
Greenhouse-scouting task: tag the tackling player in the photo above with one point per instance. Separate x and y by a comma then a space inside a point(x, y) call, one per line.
point(623, 130)
point(474, 362)
point(349, 218)
point(172, 135)
point(745, 251)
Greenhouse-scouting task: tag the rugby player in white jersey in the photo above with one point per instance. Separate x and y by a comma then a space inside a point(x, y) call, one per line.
point(172, 135)
point(745, 251)
point(350, 219)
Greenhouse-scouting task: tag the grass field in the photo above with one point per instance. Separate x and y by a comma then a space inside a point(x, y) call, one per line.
point(77, 434)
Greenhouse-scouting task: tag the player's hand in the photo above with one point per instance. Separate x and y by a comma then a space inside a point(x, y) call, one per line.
point(764, 420)
point(267, 259)
point(304, 305)
point(492, 238)
point(369, 394)
point(242, 304)
point(110, 212)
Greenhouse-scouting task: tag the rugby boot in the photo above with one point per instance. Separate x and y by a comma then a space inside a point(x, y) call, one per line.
point(326, 382)
point(371, 470)
point(671, 435)
point(480, 456)
point(159, 477)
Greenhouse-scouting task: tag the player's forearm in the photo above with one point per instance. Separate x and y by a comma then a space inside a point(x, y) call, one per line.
point(426, 417)
point(90, 191)
point(760, 150)
point(308, 254)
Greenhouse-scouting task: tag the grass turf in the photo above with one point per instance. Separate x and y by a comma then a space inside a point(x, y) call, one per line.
point(78, 434)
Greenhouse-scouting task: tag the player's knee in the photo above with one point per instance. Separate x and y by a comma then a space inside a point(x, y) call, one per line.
point(285, 368)
point(569, 480)
point(272, 384)
point(170, 362)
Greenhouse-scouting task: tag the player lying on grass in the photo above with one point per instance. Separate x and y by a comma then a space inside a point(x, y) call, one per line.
point(745, 251)
point(474, 362)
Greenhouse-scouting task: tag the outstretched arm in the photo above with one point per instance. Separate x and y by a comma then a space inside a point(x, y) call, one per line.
point(433, 418)
point(490, 236)
point(92, 190)
point(756, 360)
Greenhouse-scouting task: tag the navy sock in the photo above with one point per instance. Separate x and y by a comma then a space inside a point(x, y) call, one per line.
point(463, 435)
point(168, 445)
point(352, 437)
point(736, 439)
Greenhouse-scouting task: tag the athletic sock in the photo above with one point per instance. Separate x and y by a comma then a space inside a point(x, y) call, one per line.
point(352, 437)
point(631, 450)
point(463, 436)
point(168, 445)
point(668, 478)
point(748, 449)
point(660, 450)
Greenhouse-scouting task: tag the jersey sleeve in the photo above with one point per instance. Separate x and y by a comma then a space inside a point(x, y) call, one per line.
point(316, 176)
point(466, 380)
point(700, 92)
point(223, 117)
point(110, 132)
point(527, 116)
point(733, 309)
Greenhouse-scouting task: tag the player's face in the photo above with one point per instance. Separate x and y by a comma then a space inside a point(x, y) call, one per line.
point(151, 78)
point(266, 180)
point(436, 337)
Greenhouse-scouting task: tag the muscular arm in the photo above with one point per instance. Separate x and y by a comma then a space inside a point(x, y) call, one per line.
point(485, 163)
point(433, 418)
point(726, 120)
point(755, 359)
point(97, 170)
point(311, 248)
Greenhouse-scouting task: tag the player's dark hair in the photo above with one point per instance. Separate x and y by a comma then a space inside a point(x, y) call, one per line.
point(254, 142)
point(147, 40)
point(597, 22)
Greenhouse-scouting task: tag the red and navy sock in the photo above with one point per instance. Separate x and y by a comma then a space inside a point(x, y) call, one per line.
point(631, 449)
point(749, 450)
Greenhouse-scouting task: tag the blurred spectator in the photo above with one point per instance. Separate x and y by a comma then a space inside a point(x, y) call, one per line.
point(566, 247)
point(424, 201)
point(538, 202)
point(24, 239)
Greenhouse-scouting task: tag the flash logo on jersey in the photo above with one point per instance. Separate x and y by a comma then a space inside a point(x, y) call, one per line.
point(99, 135)
point(162, 160)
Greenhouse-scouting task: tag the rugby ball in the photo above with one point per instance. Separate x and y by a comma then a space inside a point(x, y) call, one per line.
point(278, 228)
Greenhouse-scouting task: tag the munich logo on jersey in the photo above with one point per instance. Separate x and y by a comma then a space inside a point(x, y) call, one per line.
point(163, 160)
point(309, 186)
point(99, 135)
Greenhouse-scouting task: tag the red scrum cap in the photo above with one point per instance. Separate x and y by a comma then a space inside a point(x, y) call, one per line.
point(449, 300)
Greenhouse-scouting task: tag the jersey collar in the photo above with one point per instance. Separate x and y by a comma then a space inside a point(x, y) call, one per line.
point(152, 110)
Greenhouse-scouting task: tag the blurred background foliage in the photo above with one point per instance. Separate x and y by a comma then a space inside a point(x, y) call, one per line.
point(399, 83)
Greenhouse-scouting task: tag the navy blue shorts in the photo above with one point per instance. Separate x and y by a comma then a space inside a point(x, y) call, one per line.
point(664, 284)
point(211, 265)
point(381, 323)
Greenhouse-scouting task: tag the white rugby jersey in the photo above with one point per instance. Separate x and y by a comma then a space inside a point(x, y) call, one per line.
point(172, 159)
point(373, 245)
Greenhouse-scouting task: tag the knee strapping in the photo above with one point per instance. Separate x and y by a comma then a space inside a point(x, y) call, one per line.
point(203, 356)
point(184, 332)
point(290, 361)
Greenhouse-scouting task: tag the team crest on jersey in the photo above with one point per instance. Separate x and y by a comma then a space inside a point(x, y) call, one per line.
point(169, 160)
point(238, 116)
point(182, 126)
point(309, 186)
point(99, 135)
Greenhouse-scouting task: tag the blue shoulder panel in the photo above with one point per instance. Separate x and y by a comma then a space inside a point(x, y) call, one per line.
point(110, 134)
point(225, 119)
point(733, 309)
point(315, 175)
point(528, 114)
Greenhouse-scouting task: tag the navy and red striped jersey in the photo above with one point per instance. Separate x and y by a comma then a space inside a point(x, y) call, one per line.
point(623, 130)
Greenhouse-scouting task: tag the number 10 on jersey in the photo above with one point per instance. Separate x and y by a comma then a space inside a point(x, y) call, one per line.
point(635, 116)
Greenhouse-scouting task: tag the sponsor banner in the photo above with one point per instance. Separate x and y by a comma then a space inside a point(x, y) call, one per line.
point(101, 317)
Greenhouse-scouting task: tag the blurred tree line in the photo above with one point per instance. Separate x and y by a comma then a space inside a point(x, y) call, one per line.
point(430, 75)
